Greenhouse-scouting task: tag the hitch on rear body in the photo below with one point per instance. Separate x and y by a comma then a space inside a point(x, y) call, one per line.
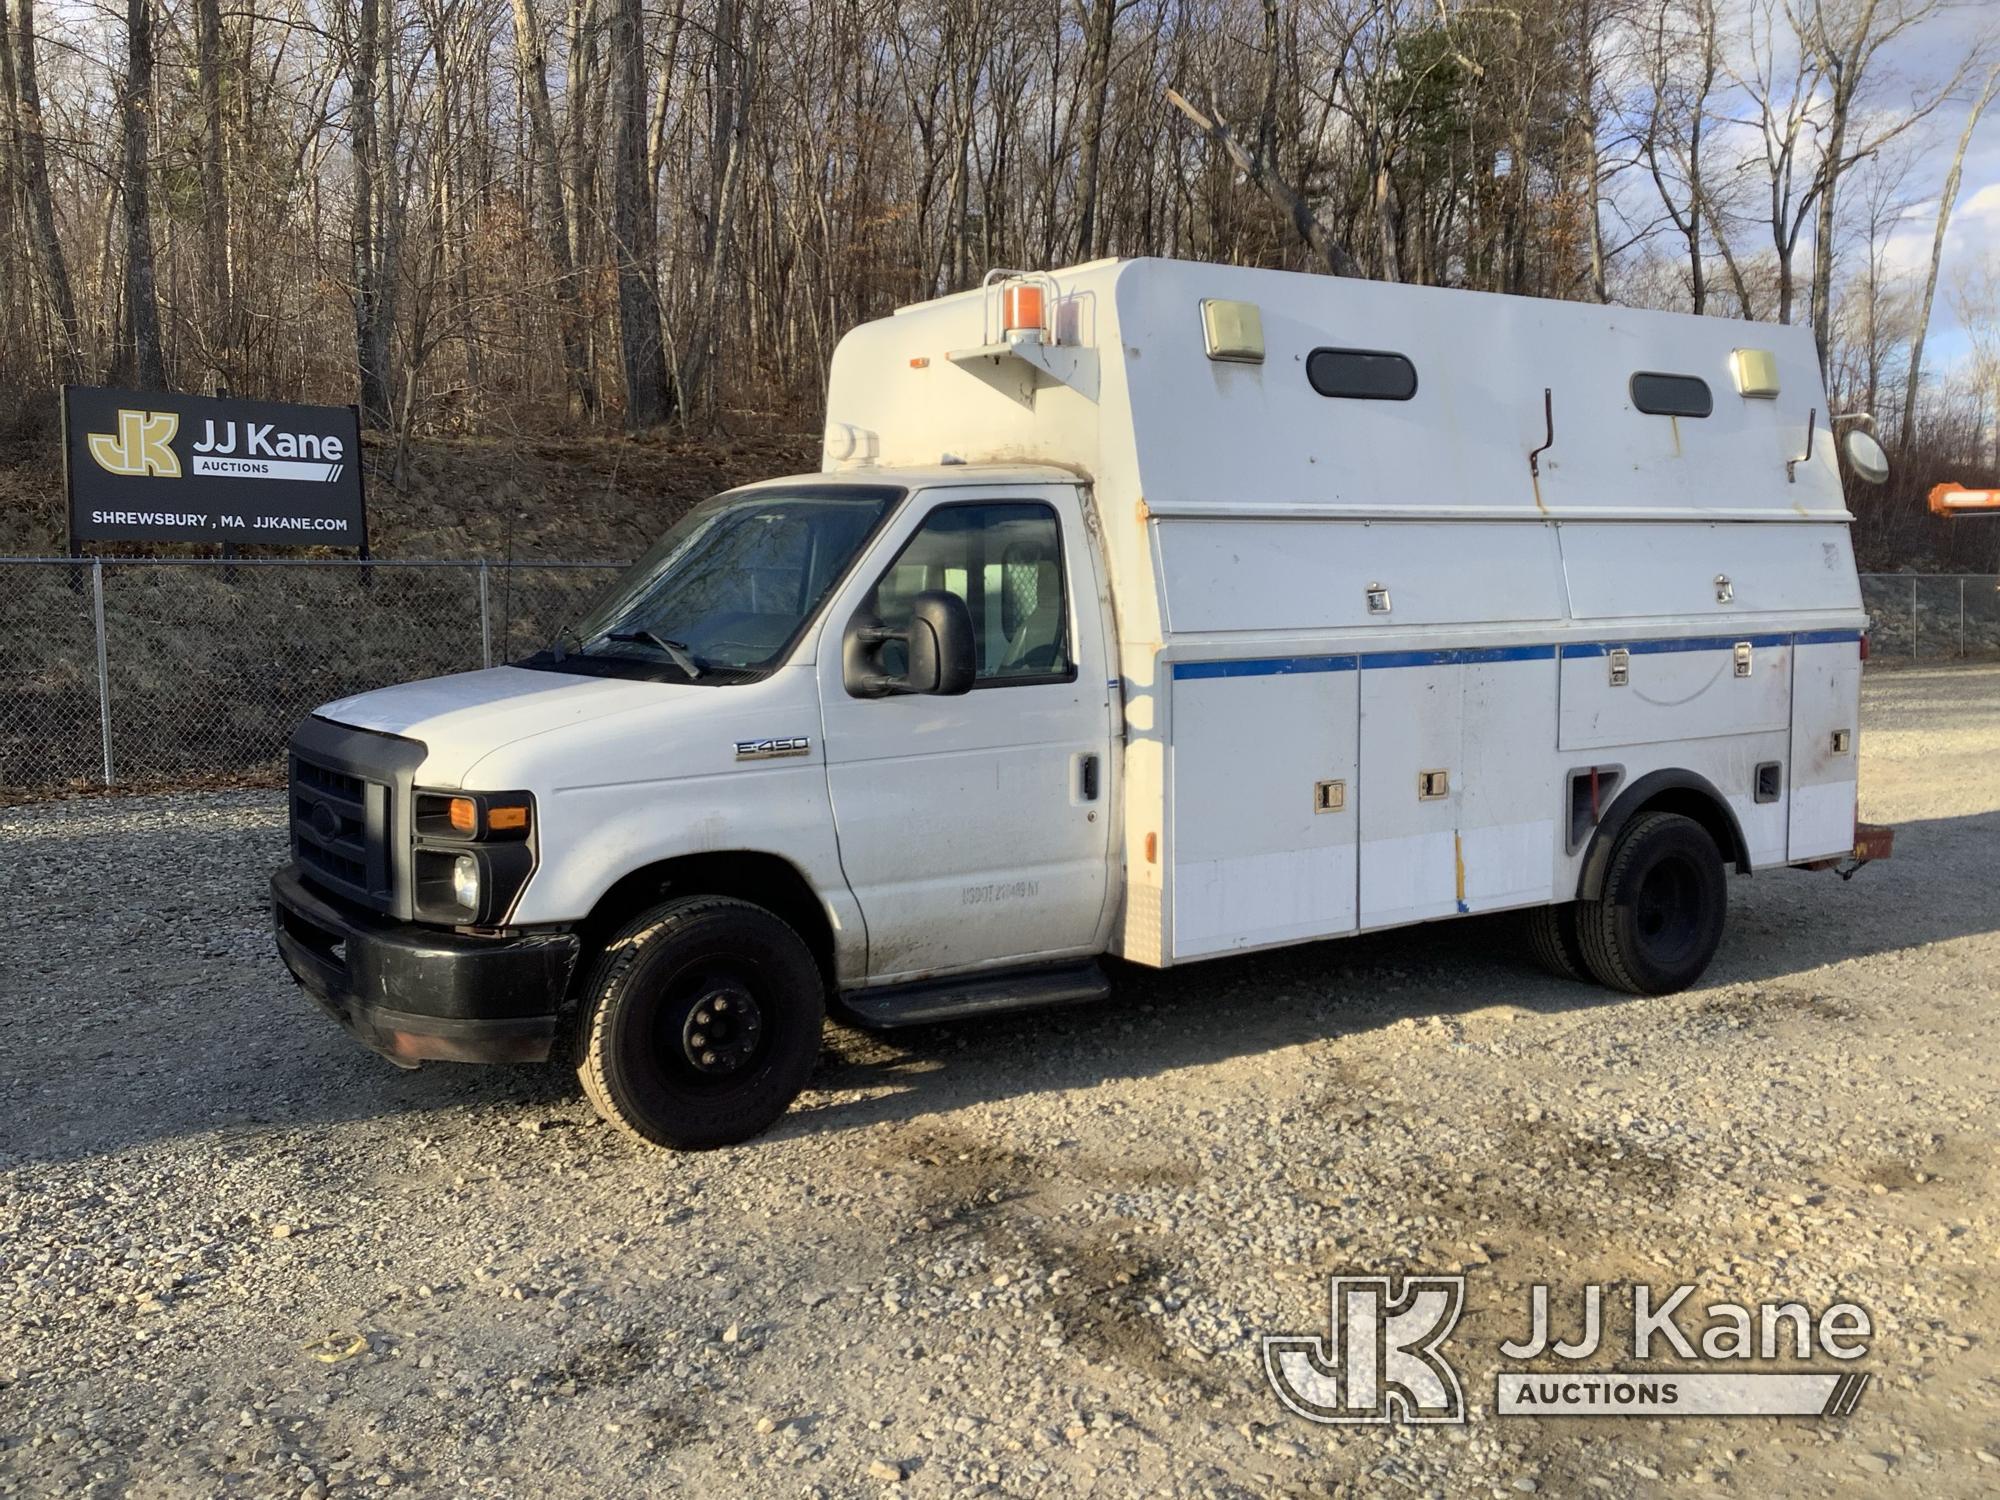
point(1872, 841)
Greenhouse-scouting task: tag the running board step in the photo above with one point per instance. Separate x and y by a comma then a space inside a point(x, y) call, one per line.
point(976, 995)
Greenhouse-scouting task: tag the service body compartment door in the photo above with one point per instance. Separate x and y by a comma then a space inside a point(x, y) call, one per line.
point(1662, 691)
point(1263, 768)
point(1413, 774)
point(1826, 735)
point(1459, 782)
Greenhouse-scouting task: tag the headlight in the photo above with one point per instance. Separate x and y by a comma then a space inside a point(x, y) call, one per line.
point(474, 851)
point(465, 882)
point(475, 817)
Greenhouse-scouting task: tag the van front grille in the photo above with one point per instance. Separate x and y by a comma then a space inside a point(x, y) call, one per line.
point(339, 827)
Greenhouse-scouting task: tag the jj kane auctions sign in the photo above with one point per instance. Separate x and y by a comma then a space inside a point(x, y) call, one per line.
point(152, 467)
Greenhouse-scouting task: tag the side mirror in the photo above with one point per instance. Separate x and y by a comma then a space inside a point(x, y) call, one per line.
point(940, 659)
point(1865, 456)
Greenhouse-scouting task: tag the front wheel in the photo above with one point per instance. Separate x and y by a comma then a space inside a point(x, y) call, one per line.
point(1659, 919)
point(702, 1021)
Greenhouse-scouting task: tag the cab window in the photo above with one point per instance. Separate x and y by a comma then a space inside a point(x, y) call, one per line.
point(1004, 559)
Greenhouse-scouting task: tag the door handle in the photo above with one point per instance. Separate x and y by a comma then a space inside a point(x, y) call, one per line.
point(1088, 785)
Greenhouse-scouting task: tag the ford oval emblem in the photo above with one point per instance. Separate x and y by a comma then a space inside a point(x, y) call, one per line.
point(325, 821)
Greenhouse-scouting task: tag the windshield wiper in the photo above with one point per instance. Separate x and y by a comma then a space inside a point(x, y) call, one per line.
point(684, 658)
point(555, 647)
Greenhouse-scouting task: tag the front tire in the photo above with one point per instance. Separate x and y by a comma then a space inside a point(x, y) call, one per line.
point(701, 1024)
point(1659, 919)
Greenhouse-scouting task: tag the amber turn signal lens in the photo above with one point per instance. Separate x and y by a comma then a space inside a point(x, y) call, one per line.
point(464, 815)
point(507, 817)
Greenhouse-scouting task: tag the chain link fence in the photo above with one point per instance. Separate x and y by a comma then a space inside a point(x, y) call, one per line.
point(1935, 617)
point(155, 672)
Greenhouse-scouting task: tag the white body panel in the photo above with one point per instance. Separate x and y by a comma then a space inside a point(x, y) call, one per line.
point(1256, 861)
point(1268, 591)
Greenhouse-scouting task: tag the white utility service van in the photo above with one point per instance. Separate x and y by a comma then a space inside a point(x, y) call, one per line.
point(1147, 609)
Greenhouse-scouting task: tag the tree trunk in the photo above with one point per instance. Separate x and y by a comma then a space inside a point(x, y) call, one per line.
point(555, 222)
point(1099, 26)
point(219, 317)
point(1846, 71)
point(34, 166)
point(1946, 200)
point(145, 364)
point(730, 143)
point(647, 402)
point(371, 335)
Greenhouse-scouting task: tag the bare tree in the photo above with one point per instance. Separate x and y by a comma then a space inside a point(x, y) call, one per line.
point(647, 399)
point(33, 170)
point(555, 216)
point(144, 362)
point(1261, 166)
point(1947, 199)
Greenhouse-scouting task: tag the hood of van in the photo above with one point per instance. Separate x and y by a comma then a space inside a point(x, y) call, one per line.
point(463, 718)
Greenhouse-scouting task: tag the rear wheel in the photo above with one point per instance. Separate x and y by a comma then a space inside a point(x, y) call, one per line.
point(702, 1023)
point(1659, 919)
point(1553, 939)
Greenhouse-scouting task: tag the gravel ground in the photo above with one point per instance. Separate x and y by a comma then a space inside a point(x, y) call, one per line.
point(239, 1256)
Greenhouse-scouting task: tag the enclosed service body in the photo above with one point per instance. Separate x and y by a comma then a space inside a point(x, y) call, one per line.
point(1146, 608)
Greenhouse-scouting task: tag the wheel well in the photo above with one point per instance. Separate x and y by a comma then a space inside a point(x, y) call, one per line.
point(1680, 792)
point(763, 880)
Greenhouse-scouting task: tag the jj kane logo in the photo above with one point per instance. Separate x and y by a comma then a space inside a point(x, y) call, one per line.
point(141, 445)
point(1381, 1363)
point(1383, 1358)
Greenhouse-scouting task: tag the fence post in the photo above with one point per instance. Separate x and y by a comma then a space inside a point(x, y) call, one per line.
point(1915, 655)
point(103, 663)
point(485, 619)
point(1961, 617)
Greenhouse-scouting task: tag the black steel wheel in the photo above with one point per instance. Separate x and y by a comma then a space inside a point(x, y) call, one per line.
point(702, 1023)
point(1659, 919)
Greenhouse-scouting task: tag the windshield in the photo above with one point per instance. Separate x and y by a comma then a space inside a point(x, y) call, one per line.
point(724, 594)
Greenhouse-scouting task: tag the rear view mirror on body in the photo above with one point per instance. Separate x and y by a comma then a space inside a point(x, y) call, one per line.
point(1865, 456)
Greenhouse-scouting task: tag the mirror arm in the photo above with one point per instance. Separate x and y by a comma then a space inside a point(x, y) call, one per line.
point(1792, 464)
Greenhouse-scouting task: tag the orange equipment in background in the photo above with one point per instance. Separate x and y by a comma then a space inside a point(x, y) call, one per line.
point(1957, 500)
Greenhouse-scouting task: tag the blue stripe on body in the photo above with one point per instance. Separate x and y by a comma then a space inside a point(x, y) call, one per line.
point(1686, 643)
point(1263, 666)
point(1467, 656)
point(1276, 666)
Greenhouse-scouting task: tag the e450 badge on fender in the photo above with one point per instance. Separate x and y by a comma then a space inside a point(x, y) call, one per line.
point(793, 744)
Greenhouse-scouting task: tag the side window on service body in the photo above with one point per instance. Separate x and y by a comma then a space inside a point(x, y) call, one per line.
point(1004, 559)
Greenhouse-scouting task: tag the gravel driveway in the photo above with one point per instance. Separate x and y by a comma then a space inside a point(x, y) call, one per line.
point(239, 1256)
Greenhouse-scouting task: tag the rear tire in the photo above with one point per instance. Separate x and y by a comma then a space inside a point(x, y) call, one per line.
point(1660, 917)
point(1555, 942)
point(701, 1023)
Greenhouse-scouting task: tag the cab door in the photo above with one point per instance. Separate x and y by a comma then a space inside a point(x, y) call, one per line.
point(973, 829)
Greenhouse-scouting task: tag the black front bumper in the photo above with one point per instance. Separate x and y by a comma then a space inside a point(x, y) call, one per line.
point(416, 993)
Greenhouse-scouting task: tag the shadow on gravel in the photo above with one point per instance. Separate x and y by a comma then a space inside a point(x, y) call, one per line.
point(180, 1021)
